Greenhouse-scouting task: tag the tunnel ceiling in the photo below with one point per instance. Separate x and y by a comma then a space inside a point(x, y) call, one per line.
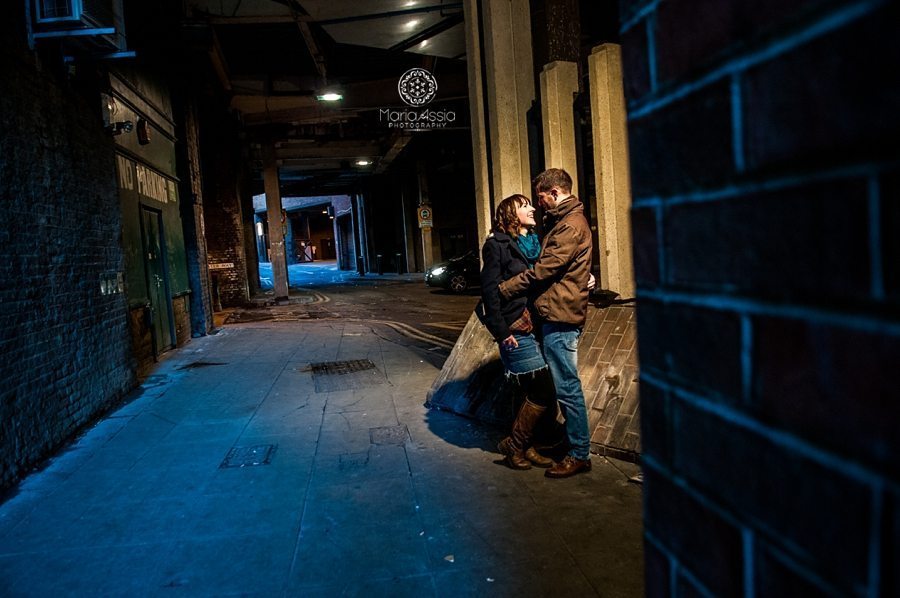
point(274, 57)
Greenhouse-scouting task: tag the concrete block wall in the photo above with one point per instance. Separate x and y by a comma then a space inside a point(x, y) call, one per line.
point(65, 343)
point(765, 172)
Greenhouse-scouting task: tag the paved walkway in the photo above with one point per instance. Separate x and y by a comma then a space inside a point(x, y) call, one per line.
point(350, 486)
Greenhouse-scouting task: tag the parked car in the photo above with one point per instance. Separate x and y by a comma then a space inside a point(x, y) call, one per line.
point(456, 274)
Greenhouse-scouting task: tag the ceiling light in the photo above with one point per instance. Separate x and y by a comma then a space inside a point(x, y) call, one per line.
point(412, 24)
point(411, 3)
point(363, 162)
point(330, 97)
point(424, 43)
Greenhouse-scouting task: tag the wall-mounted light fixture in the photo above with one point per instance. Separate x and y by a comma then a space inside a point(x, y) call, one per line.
point(109, 109)
point(330, 96)
point(363, 162)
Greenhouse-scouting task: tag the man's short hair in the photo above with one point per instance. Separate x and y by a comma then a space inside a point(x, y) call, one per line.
point(553, 177)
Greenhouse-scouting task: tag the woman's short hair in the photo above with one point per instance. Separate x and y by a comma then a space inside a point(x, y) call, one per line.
point(505, 218)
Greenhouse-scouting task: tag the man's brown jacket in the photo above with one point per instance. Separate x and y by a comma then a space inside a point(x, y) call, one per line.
point(559, 279)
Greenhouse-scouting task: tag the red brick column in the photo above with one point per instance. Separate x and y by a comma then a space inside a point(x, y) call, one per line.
point(764, 157)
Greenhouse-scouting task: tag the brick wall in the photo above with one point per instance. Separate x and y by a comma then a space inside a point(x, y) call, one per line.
point(765, 171)
point(65, 345)
point(192, 217)
point(607, 365)
point(141, 340)
point(224, 217)
point(181, 312)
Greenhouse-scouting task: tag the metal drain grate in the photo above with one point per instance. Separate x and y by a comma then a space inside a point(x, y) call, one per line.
point(248, 456)
point(331, 376)
point(389, 435)
point(337, 368)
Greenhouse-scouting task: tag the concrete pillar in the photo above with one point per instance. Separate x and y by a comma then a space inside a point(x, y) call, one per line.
point(611, 169)
point(510, 92)
point(559, 83)
point(276, 230)
point(425, 201)
point(408, 231)
point(358, 233)
point(477, 118)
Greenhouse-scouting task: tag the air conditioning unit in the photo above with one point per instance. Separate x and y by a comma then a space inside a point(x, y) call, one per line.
point(98, 22)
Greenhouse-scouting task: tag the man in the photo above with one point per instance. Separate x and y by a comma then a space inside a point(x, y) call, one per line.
point(559, 284)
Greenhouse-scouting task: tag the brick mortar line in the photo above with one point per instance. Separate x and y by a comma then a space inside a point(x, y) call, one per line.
point(859, 321)
point(748, 544)
point(704, 501)
point(639, 15)
point(832, 22)
point(743, 527)
point(790, 443)
point(864, 170)
point(876, 264)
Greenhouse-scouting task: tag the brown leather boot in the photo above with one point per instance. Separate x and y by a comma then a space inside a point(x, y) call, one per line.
point(537, 459)
point(513, 446)
point(568, 467)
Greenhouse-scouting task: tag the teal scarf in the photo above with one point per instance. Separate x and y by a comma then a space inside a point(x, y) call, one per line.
point(530, 247)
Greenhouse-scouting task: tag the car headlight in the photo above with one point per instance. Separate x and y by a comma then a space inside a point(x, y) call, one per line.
point(438, 271)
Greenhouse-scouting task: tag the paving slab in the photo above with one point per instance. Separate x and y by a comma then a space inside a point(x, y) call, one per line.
point(364, 490)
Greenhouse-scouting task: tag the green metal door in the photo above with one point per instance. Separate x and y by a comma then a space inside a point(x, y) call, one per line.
point(157, 280)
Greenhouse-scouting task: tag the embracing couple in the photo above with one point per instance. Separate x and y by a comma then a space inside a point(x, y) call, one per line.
point(534, 298)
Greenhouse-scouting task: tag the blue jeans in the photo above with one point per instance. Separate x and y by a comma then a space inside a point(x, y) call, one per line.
point(561, 352)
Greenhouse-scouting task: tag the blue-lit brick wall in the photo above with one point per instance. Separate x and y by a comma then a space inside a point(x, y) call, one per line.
point(200, 304)
point(765, 164)
point(64, 344)
point(227, 205)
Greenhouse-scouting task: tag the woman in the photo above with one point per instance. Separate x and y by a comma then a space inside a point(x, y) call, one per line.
point(511, 248)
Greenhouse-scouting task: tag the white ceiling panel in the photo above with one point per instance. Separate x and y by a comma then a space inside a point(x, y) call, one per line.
point(342, 9)
point(240, 8)
point(447, 44)
point(382, 33)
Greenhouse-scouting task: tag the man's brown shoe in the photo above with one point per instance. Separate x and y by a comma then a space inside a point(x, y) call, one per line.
point(568, 467)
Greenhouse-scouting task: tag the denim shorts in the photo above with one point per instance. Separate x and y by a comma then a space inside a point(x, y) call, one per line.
point(525, 358)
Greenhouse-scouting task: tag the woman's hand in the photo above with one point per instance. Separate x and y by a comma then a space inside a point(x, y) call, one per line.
point(510, 342)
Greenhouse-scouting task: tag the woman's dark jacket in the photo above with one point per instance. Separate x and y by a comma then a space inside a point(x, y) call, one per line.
point(558, 283)
point(500, 259)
